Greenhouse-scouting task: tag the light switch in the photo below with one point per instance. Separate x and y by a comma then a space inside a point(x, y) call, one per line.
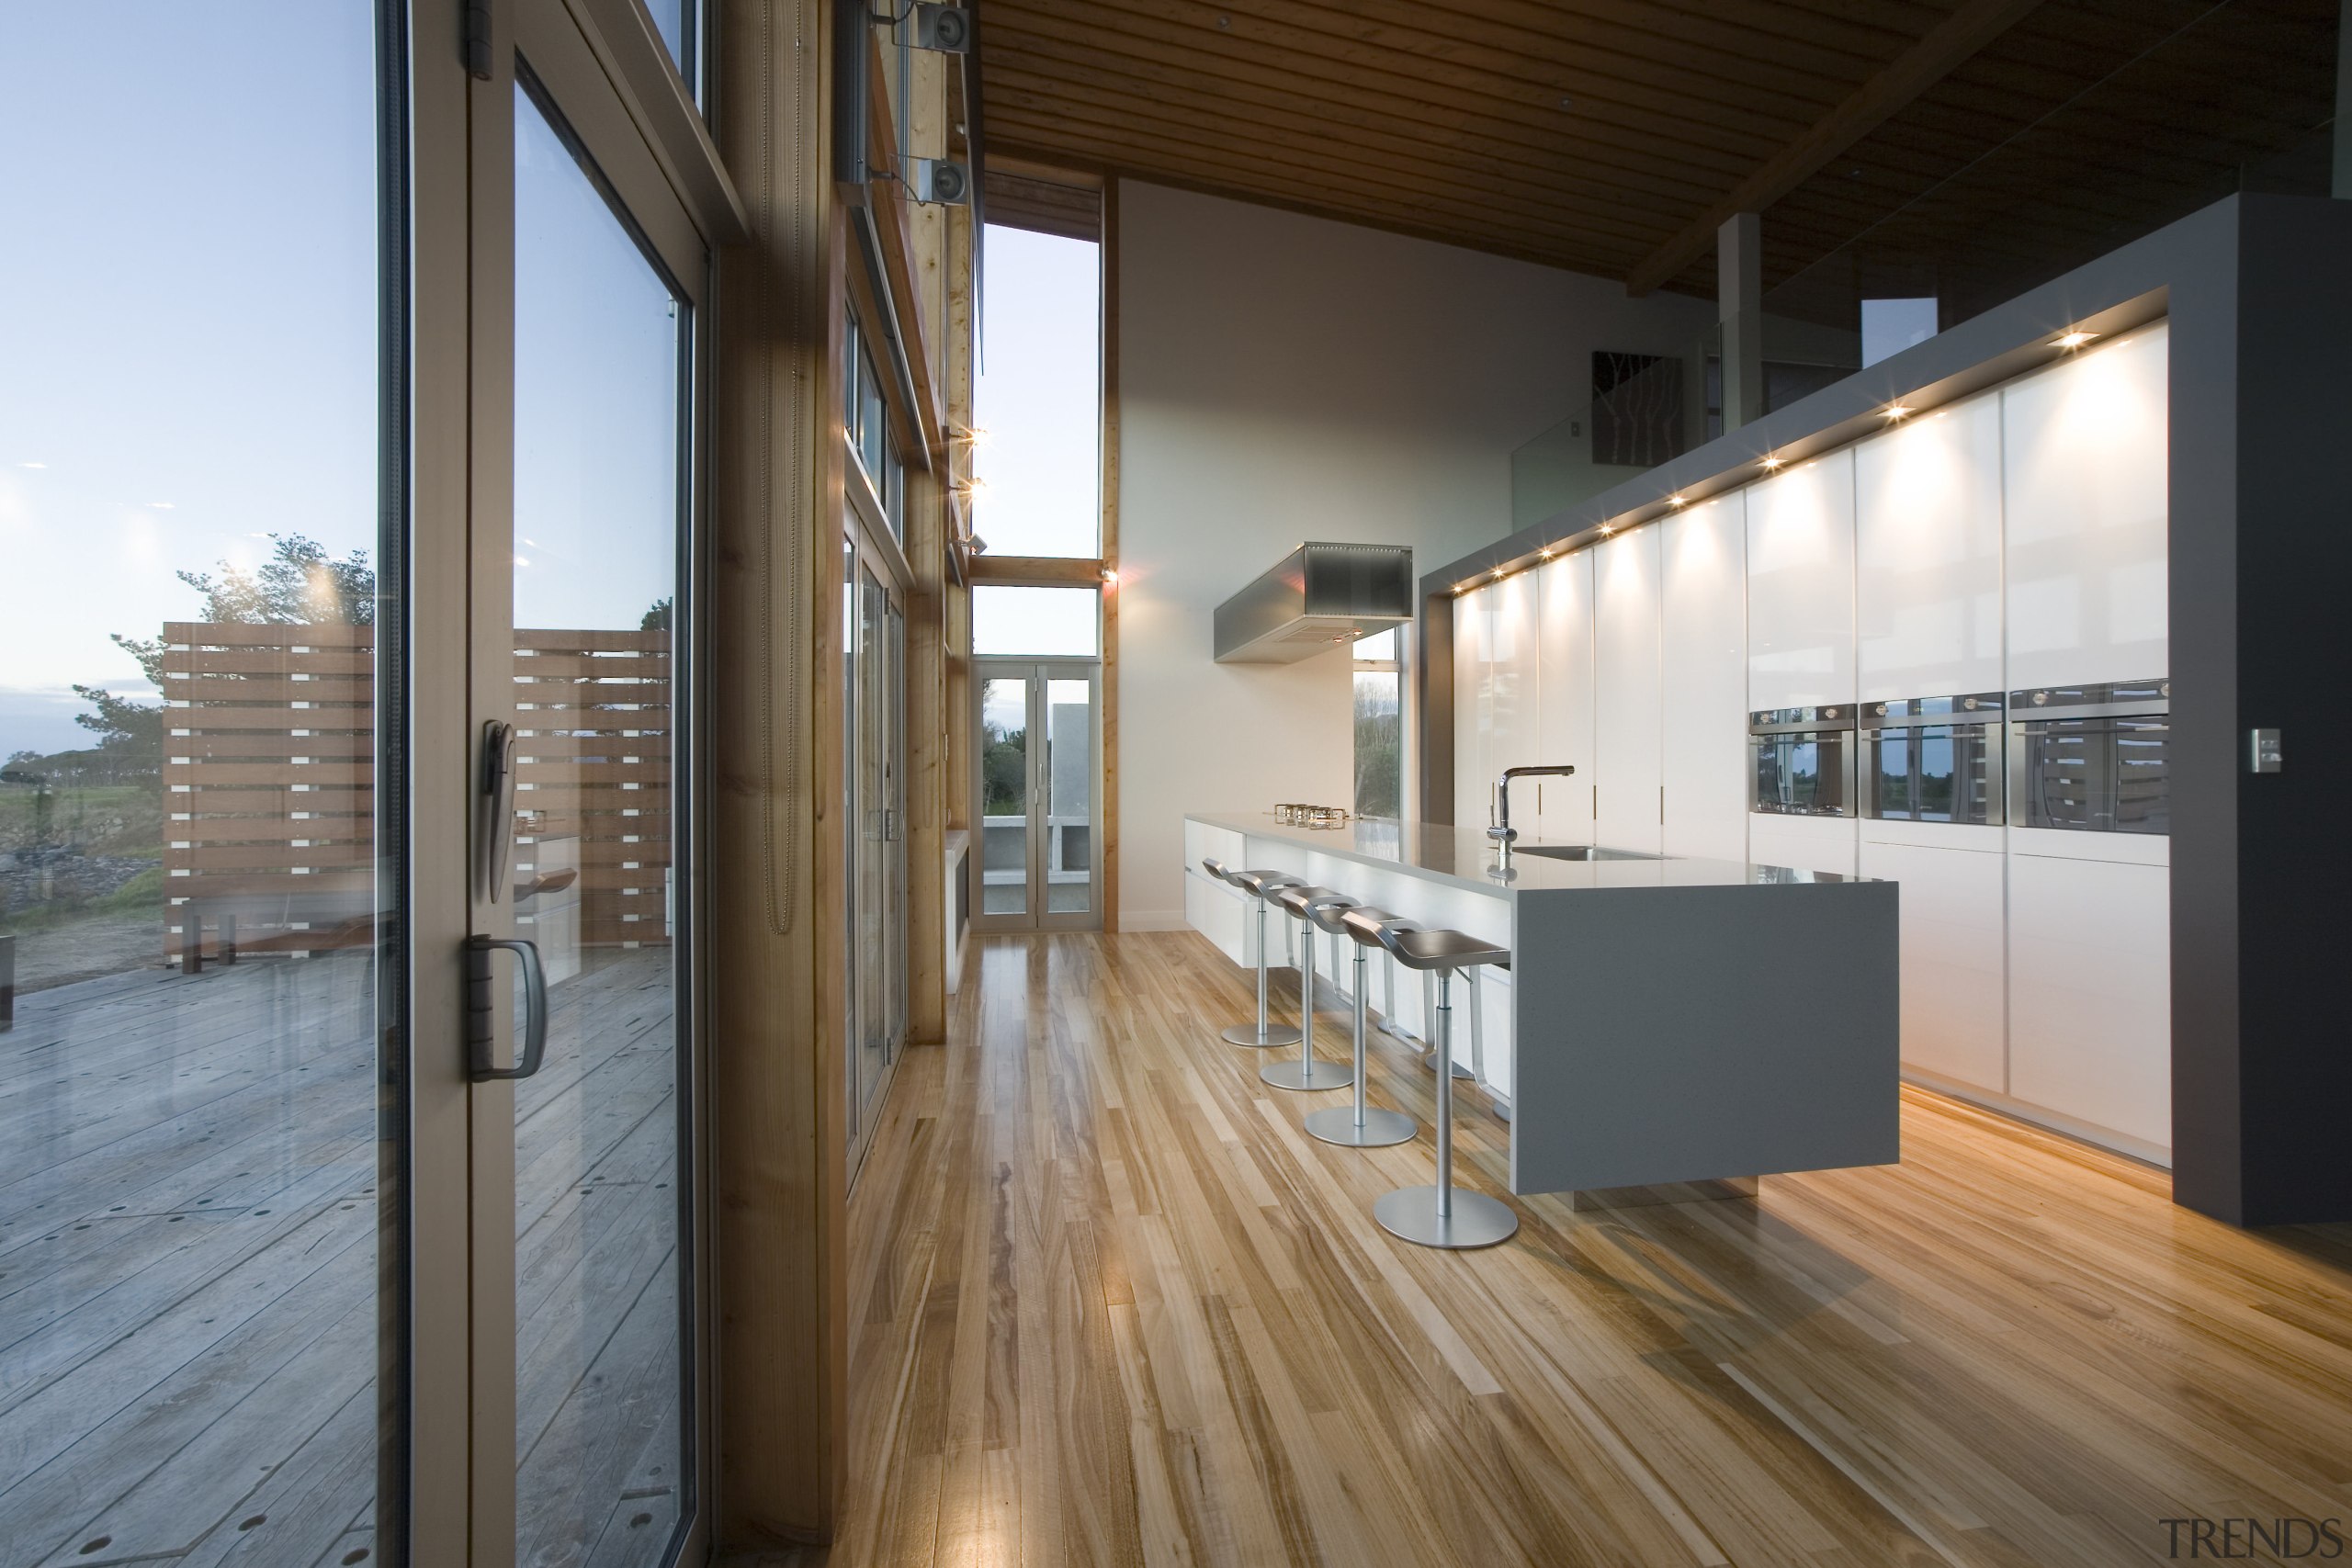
point(2263, 752)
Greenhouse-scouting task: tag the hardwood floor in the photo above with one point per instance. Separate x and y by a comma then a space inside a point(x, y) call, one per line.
point(1113, 1306)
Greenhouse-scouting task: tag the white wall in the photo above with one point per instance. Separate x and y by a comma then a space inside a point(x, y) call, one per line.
point(1284, 379)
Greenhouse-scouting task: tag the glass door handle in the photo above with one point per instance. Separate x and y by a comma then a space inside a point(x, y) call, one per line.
point(481, 1009)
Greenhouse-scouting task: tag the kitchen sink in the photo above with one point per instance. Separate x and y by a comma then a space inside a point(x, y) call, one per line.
point(1580, 852)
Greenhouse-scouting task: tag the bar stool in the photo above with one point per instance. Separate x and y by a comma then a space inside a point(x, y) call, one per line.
point(1307, 1073)
point(1261, 885)
point(1357, 1126)
point(1439, 1216)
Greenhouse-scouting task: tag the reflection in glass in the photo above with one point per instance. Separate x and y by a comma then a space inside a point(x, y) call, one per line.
point(1935, 772)
point(191, 924)
point(1004, 796)
point(1069, 796)
point(2099, 774)
point(599, 1181)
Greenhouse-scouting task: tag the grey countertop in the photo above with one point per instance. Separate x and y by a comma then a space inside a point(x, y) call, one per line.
point(1462, 857)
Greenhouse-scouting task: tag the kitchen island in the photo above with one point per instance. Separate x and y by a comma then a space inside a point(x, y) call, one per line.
point(1662, 1021)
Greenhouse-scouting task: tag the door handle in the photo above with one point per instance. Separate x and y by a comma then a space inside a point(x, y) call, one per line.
point(481, 1009)
point(494, 808)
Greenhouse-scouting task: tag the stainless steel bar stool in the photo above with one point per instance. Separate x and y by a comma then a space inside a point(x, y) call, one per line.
point(1360, 1126)
point(1439, 1216)
point(1261, 885)
point(1309, 905)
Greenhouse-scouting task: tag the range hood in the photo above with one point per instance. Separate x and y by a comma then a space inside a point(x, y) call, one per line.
point(1314, 599)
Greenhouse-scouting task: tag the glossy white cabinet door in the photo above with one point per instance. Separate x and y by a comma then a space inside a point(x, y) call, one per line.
point(1927, 555)
point(1801, 585)
point(1626, 698)
point(1804, 843)
point(1472, 714)
point(2090, 994)
point(1703, 679)
point(2085, 488)
point(1514, 675)
point(1953, 957)
point(1564, 613)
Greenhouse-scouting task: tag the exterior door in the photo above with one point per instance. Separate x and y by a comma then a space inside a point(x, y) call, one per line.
point(1039, 764)
point(579, 728)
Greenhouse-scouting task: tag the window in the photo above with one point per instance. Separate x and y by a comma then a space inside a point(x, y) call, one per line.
point(866, 420)
point(1380, 725)
point(1038, 397)
point(1061, 623)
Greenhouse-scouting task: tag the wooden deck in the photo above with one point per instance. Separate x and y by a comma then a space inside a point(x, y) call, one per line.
point(187, 1270)
point(1111, 1306)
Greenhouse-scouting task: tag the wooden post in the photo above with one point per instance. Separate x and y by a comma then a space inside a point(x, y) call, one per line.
point(778, 961)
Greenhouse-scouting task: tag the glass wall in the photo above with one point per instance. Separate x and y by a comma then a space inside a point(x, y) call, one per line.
point(1379, 726)
point(198, 932)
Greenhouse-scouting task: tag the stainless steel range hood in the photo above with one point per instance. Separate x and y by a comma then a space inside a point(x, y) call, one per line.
point(1317, 598)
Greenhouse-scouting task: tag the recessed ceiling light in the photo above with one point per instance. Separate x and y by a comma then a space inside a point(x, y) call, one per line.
point(1544, 554)
point(1772, 463)
point(1675, 501)
point(2075, 339)
point(1499, 571)
point(1897, 411)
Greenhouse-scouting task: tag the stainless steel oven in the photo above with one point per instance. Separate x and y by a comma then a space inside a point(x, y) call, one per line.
point(1933, 759)
point(1803, 760)
point(2093, 758)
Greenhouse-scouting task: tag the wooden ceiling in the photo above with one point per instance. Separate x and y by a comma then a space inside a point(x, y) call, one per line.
point(1612, 136)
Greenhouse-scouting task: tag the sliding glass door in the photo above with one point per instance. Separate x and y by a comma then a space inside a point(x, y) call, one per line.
point(203, 1100)
point(873, 782)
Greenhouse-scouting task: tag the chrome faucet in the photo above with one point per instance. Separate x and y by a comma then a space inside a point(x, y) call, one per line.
point(1498, 825)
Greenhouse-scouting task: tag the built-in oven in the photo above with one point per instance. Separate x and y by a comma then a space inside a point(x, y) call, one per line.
point(2092, 758)
point(1803, 761)
point(1933, 759)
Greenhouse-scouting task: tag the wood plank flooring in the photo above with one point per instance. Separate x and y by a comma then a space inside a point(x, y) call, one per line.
point(1111, 1306)
point(187, 1270)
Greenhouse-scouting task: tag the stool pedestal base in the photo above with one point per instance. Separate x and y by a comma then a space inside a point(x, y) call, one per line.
point(1380, 1129)
point(1410, 1213)
point(1318, 1074)
point(1247, 1034)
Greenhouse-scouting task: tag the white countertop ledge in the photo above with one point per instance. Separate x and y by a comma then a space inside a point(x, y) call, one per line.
point(1462, 857)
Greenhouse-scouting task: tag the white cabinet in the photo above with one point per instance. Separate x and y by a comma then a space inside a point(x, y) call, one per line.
point(1472, 629)
point(1804, 843)
point(1927, 555)
point(1625, 693)
point(2090, 990)
point(1801, 586)
point(2085, 444)
point(1564, 619)
point(1954, 963)
point(1702, 664)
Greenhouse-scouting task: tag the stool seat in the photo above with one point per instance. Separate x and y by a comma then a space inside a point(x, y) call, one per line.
point(1261, 884)
point(1439, 1215)
point(1303, 900)
point(1331, 917)
point(1419, 948)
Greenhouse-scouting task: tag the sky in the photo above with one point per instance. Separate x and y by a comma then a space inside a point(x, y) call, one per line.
point(187, 318)
point(1037, 395)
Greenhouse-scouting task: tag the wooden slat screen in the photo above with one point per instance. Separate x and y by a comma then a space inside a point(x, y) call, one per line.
point(268, 781)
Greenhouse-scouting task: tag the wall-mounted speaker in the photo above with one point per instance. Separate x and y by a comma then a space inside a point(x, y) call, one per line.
point(948, 29)
point(941, 180)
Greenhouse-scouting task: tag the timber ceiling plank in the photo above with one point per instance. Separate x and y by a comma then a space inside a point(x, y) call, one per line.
point(1241, 90)
point(1910, 124)
point(1410, 84)
point(1513, 168)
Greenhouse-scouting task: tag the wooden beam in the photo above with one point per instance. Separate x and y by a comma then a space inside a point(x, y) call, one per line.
point(777, 948)
point(1107, 828)
point(1038, 571)
point(1946, 46)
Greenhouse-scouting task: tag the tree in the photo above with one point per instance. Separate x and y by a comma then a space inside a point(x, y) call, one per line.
point(1004, 772)
point(657, 619)
point(301, 584)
